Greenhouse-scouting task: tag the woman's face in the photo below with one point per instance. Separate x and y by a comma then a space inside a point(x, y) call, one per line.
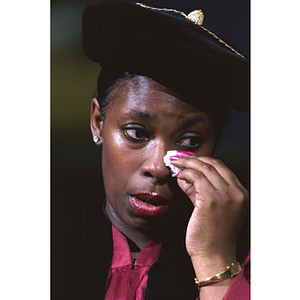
point(142, 123)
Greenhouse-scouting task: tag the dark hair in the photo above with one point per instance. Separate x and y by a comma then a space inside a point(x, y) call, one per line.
point(106, 88)
point(107, 92)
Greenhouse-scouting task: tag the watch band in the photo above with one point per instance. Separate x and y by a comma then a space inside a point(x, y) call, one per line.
point(230, 271)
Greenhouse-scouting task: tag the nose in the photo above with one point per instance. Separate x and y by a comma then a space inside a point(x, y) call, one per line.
point(153, 165)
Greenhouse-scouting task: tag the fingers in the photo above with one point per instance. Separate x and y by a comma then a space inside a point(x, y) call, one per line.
point(227, 174)
point(196, 185)
point(219, 176)
point(209, 178)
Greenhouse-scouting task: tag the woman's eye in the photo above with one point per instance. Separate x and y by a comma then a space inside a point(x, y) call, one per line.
point(191, 142)
point(136, 134)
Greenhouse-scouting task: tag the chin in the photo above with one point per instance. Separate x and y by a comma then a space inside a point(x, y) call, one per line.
point(149, 225)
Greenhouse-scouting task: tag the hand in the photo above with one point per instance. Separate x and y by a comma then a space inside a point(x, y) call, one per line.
point(220, 202)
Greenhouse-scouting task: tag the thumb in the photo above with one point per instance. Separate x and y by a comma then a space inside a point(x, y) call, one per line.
point(187, 188)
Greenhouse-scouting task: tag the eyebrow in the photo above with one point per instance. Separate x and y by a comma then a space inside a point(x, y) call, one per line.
point(187, 122)
point(143, 115)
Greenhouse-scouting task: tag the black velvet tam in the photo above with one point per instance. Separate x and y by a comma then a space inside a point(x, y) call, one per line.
point(169, 48)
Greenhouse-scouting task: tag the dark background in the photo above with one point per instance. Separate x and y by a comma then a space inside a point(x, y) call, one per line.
point(75, 160)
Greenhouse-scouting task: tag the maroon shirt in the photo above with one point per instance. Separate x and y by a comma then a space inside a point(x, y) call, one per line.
point(126, 281)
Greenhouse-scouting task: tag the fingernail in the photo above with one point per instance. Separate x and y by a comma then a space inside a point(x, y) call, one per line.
point(178, 173)
point(185, 153)
point(174, 158)
point(190, 153)
point(181, 153)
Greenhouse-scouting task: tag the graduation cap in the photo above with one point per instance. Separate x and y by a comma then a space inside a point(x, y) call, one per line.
point(172, 48)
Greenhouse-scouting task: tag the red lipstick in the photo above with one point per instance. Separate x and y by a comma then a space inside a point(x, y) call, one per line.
point(149, 205)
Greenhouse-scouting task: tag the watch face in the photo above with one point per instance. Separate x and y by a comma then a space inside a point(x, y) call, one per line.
point(236, 269)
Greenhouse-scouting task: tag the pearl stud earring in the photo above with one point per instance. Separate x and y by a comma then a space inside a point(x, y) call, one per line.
point(96, 139)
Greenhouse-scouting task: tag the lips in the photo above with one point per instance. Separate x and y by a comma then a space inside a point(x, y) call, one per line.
point(149, 205)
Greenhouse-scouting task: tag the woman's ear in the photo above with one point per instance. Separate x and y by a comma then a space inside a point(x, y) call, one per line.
point(96, 122)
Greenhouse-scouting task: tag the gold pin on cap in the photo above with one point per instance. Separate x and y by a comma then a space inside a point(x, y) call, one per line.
point(196, 16)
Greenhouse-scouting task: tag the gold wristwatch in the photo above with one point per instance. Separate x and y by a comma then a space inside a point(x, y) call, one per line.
point(230, 271)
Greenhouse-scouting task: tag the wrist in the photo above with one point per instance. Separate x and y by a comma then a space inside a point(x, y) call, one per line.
point(229, 272)
point(208, 266)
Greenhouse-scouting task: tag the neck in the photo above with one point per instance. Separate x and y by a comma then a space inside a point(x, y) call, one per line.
point(139, 238)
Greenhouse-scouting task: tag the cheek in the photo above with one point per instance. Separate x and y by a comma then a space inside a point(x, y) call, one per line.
point(207, 148)
point(210, 148)
point(113, 156)
point(118, 162)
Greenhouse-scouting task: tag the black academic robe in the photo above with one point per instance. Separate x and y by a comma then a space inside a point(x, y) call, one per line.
point(82, 252)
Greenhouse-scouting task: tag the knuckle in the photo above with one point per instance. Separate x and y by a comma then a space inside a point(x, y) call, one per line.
point(198, 175)
point(218, 162)
point(240, 196)
point(208, 167)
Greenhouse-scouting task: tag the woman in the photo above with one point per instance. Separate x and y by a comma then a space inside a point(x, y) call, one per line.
point(166, 84)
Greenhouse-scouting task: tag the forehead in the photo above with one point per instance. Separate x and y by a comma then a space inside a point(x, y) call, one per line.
point(143, 96)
